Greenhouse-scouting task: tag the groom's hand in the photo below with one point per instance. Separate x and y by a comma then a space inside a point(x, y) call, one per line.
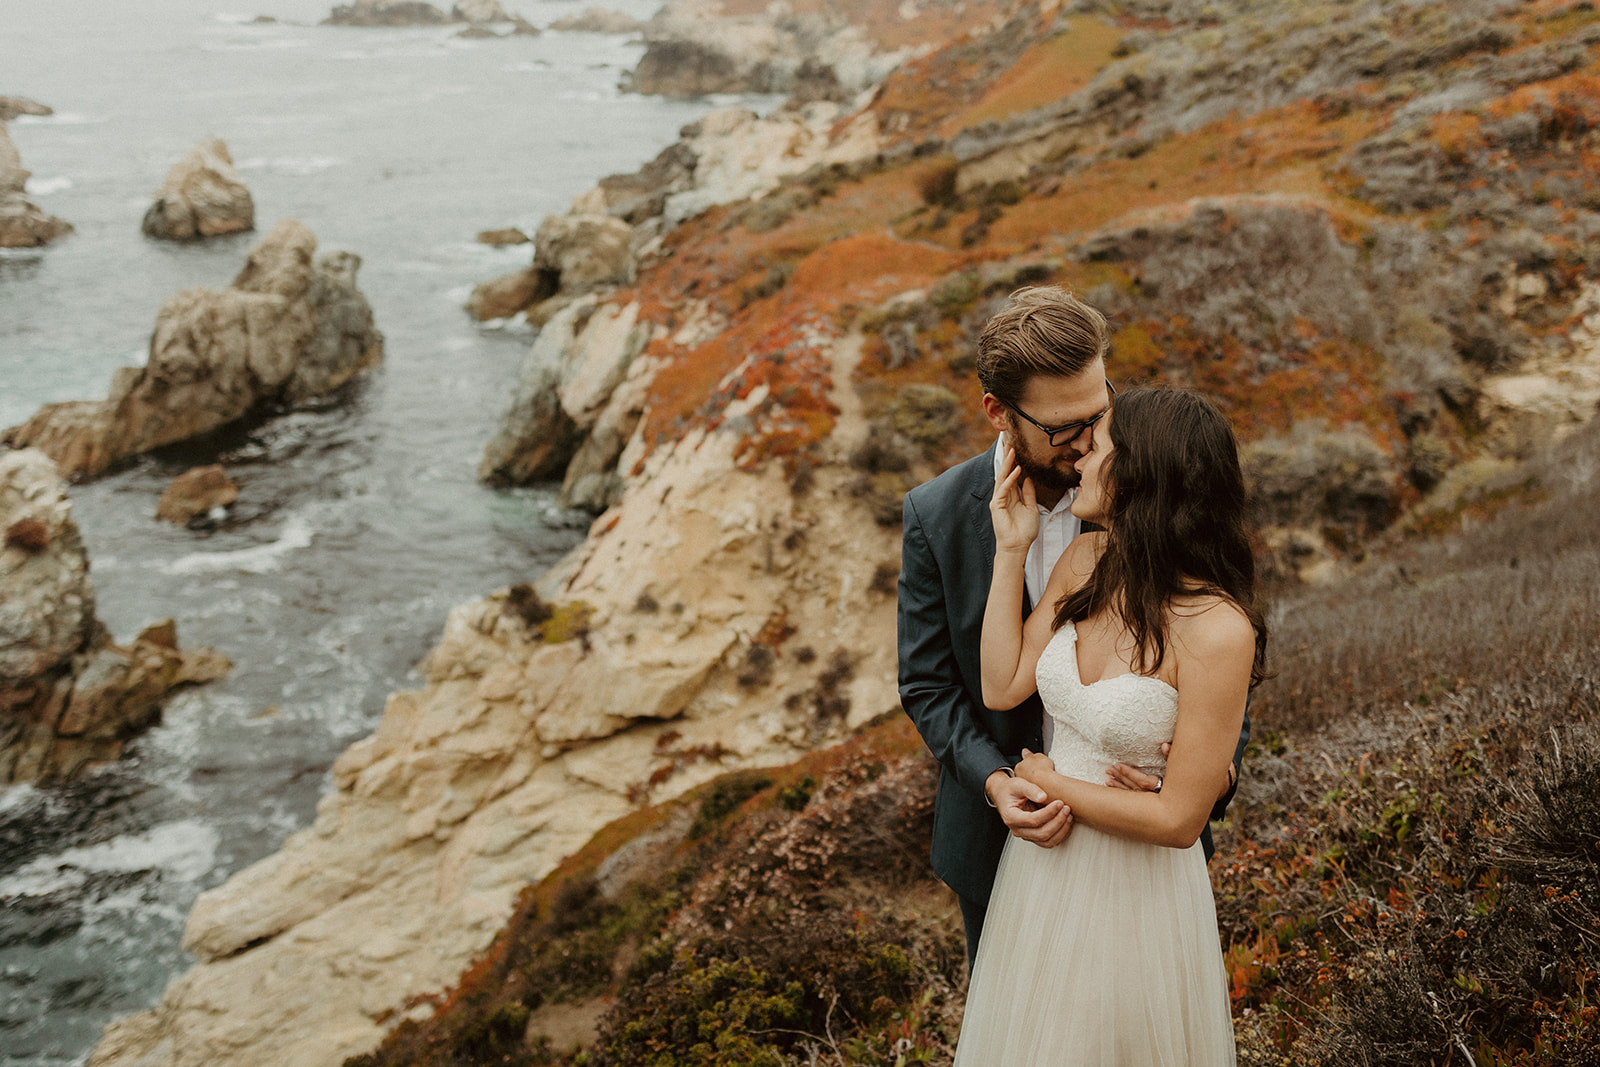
point(1027, 810)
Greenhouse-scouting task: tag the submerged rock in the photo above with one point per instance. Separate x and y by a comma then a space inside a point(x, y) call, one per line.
point(13, 106)
point(386, 13)
point(598, 20)
point(197, 492)
point(203, 196)
point(480, 11)
point(291, 327)
point(22, 223)
point(68, 696)
point(503, 237)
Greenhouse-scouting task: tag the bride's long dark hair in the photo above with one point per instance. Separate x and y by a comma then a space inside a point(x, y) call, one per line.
point(1175, 508)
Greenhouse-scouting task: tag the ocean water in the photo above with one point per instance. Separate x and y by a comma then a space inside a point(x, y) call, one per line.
point(361, 522)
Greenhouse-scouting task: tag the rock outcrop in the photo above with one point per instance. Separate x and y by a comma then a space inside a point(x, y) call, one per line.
point(480, 11)
point(68, 696)
point(22, 223)
point(598, 20)
point(13, 106)
point(203, 196)
point(694, 49)
point(292, 327)
point(646, 669)
point(386, 13)
point(730, 155)
point(751, 406)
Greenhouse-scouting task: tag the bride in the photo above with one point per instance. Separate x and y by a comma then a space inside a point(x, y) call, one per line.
point(1104, 951)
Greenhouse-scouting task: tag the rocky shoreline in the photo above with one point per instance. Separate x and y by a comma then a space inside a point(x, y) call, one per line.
point(752, 347)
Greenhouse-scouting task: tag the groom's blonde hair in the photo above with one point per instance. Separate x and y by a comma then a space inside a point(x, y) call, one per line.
point(1044, 330)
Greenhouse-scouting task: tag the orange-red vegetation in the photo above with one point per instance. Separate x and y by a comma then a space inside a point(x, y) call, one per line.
point(1279, 151)
point(1049, 71)
point(780, 343)
point(886, 21)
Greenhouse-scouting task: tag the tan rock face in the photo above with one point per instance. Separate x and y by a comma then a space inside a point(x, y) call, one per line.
point(526, 739)
point(585, 251)
point(289, 328)
point(47, 612)
point(22, 223)
point(68, 697)
point(203, 196)
point(508, 294)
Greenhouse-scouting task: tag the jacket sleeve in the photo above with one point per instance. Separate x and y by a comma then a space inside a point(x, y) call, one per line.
point(1221, 810)
point(931, 690)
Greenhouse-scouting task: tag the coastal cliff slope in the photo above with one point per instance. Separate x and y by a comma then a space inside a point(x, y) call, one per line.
point(1368, 230)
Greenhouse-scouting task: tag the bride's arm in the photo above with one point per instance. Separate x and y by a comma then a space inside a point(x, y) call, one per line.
point(1010, 647)
point(1213, 652)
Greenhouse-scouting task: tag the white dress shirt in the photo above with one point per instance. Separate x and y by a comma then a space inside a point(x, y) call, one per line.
point(1057, 527)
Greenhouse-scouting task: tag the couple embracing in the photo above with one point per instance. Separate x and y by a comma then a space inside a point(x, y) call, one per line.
point(1077, 645)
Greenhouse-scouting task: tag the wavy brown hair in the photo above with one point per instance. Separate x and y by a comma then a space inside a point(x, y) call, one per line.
point(1175, 509)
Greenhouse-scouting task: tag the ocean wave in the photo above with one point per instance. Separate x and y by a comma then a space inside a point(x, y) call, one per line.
point(259, 559)
point(300, 166)
point(265, 44)
point(46, 186)
point(187, 849)
point(60, 118)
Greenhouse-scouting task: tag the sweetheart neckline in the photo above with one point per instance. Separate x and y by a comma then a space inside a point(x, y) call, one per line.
point(1077, 672)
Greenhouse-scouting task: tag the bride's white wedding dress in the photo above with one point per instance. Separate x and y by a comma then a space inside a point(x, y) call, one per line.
point(1101, 952)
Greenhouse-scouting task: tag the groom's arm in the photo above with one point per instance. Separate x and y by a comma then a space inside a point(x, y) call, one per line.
point(931, 689)
point(933, 695)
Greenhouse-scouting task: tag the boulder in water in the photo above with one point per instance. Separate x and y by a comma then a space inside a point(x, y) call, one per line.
point(203, 196)
point(196, 492)
point(386, 13)
point(598, 20)
point(508, 294)
point(501, 238)
point(480, 11)
point(292, 327)
point(22, 223)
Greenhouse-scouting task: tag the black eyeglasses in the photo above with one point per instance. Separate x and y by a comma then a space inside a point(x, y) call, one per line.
point(1069, 429)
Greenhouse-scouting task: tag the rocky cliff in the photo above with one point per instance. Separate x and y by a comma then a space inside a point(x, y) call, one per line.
point(291, 327)
point(1367, 229)
point(69, 696)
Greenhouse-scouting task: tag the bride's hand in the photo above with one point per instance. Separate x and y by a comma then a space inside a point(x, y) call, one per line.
point(1034, 764)
point(1014, 508)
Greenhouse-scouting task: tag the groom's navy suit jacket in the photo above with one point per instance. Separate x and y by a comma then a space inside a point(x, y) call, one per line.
point(946, 564)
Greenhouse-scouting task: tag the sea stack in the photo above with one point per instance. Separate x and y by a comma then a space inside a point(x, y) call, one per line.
point(203, 196)
point(22, 223)
point(293, 326)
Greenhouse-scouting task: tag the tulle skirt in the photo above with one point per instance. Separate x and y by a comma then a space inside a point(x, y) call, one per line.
point(1098, 953)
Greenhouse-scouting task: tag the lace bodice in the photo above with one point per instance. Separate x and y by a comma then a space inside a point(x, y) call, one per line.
point(1124, 718)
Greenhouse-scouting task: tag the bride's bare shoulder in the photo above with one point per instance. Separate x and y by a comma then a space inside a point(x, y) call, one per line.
point(1207, 623)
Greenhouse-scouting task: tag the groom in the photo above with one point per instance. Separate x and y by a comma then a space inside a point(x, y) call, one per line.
point(1041, 362)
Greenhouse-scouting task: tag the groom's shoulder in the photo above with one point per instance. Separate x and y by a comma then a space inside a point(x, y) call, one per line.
point(956, 487)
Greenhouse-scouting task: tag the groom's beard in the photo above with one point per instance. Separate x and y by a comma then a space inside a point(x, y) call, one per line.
point(1053, 475)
